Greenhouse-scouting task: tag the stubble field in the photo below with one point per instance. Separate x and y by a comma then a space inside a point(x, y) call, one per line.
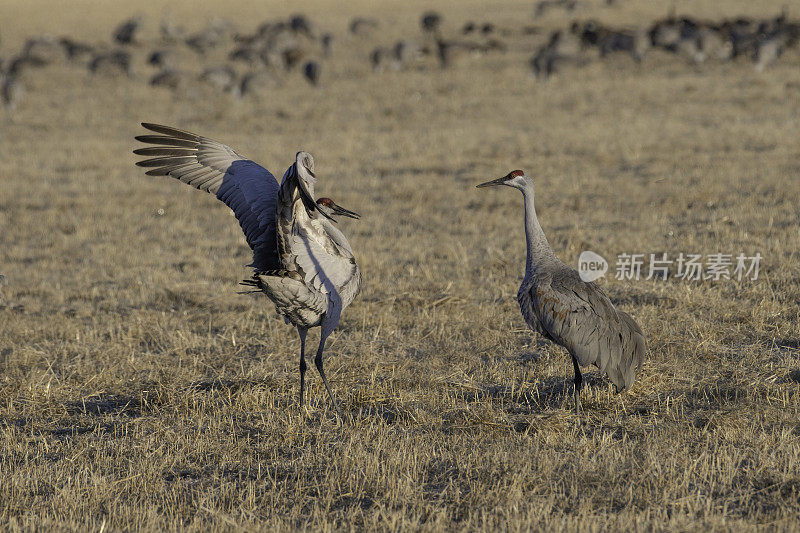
point(138, 390)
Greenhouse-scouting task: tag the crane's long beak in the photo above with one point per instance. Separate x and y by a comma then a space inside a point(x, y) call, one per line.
point(498, 181)
point(339, 210)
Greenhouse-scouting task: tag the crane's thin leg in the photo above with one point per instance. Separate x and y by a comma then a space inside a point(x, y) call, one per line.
point(578, 381)
point(318, 363)
point(302, 332)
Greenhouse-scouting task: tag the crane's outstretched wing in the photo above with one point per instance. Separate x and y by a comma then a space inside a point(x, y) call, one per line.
point(249, 189)
point(526, 305)
point(580, 317)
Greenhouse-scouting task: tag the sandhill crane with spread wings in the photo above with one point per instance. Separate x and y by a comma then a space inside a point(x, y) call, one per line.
point(563, 308)
point(302, 262)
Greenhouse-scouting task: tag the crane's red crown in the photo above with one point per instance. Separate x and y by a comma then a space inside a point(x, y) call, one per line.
point(514, 174)
point(327, 202)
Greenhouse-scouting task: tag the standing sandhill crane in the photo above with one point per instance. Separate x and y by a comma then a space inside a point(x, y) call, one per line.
point(563, 308)
point(302, 262)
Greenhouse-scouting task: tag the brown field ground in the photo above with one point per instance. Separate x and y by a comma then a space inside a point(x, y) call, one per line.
point(138, 390)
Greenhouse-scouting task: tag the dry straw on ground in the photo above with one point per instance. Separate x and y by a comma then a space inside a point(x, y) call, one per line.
point(139, 391)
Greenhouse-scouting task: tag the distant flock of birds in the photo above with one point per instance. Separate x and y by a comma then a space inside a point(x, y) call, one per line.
point(274, 48)
point(258, 62)
point(762, 41)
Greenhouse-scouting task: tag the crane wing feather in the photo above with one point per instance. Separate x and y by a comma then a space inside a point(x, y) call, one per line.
point(580, 317)
point(325, 269)
point(249, 189)
point(293, 299)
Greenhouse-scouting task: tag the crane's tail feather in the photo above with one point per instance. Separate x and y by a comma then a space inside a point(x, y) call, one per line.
point(256, 280)
point(635, 347)
point(293, 300)
point(250, 283)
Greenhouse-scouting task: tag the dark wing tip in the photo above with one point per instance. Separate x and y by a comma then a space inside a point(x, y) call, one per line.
point(170, 131)
point(163, 171)
point(165, 151)
point(166, 140)
point(167, 161)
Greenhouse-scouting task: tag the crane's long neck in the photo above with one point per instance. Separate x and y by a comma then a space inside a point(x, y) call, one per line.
point(539, 250)
point(291, 196)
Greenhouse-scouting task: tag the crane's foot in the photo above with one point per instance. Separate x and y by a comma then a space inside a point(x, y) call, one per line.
point(303, 407)
point(318, 363)
point(338, 411)
point(333, 400)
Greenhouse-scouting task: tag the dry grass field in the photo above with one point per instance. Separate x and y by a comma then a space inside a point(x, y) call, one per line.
point(139, 391)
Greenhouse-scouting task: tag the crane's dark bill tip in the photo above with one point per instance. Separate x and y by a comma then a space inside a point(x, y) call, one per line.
point(339, 210)
point(498, 181)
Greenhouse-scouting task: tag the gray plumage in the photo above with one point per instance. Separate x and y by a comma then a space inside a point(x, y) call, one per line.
point(162, 58)
point(383, 58)
point(127, 30)
point(210, 37)
point(767, 51)
point(407, 51)
point(302, 262)
point(327, 44)
point(577, 315)
point(260, 83)
point(311, 71)
point(171, 78)
point(363, 26)
point(561, 48)
point(44, 50)
point(222, 78)
point(430, 22)
point(170, 33)
point(300, 24)
point(113, 62)
point(75, 50)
